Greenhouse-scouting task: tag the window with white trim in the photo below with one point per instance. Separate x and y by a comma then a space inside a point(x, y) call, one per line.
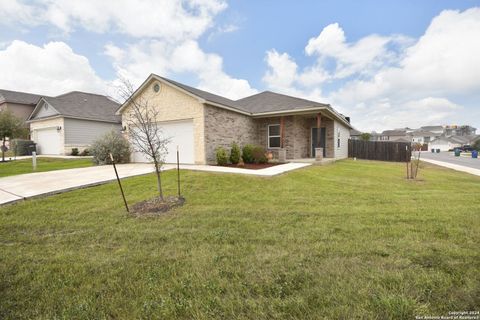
point(274, 136)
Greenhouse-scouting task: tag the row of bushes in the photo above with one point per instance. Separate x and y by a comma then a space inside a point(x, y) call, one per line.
point(84, 153)
point(249, 154)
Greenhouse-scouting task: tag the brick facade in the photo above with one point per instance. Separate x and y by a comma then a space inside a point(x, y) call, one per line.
point(223, 127)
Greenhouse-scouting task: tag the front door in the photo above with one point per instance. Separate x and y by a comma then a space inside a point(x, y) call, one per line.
point(323, 139)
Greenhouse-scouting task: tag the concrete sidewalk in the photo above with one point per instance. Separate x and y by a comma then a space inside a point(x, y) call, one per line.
point(24, 186)
point(453, 166)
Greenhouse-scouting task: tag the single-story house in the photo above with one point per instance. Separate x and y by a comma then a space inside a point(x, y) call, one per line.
point(355, 134)
point(198, 122)
point(21, 104)
point(423, 137)
point(71, 120)
point(394, 135)
point(448, 143)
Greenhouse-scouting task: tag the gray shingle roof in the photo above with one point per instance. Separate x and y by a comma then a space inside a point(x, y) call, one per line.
point(85, 105)
point(354, 132)
point(430, 128)
point(18, 97)
point(268, 101)
point(423, 133)
point(263, 102)
point(394, 133)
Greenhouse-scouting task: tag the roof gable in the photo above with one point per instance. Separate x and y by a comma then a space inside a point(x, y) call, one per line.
point(43, 110)
point(81, 105)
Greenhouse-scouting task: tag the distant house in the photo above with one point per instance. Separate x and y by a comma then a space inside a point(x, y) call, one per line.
point(355, 134)
point(71, 120)
point(21, 104)
point(394, 135)
point(465, 130)
point(423, 137)
point(436, 130)
point(448, 143)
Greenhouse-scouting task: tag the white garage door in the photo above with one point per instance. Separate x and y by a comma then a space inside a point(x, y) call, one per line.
point(48, 141)
point(181, 135)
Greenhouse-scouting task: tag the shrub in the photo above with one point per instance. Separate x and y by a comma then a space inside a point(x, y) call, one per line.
point(247, 153)
point(111, 142)
point(74, 151)
point(21, 147)
point(259, 155)
point(235, 154)
point(222, 157)
point(476, 145)
point(85, 152)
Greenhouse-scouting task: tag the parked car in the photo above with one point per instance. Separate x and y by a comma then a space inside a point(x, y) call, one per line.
point(467, 148)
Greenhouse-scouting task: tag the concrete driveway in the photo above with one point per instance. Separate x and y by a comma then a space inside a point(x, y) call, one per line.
point(30, 185)
point(25, 186)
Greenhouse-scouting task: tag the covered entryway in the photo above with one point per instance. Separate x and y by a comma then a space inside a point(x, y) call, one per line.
point(323, 139)
point(47, 140)
point(181, 135)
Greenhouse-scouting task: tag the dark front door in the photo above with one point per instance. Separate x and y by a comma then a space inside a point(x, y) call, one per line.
point(323, 139)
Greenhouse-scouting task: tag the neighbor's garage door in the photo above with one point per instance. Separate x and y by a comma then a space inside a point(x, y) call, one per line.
point(48, 141)
point(181, 135)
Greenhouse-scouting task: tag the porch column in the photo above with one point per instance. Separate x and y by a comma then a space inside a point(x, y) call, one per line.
point(282, 131)
point(282, 153)
point(318, 149)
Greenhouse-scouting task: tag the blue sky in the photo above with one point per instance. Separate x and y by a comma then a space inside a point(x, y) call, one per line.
point(385, 63)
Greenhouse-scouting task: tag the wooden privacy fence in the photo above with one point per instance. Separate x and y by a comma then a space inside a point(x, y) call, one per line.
point(380, 150)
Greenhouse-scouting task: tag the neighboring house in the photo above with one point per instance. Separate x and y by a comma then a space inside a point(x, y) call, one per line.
point(465, 130)
point(436, 130)
point(394, 135)
point(423, 137)
point(198, 122)
point(448, 143)
point(355, 134)
point(21, 104)
point(71, 120)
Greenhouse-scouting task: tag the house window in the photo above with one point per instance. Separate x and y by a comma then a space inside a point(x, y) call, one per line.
point(274, 136)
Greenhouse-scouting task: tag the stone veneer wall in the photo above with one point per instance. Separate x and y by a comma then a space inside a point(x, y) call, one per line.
point(223, 127)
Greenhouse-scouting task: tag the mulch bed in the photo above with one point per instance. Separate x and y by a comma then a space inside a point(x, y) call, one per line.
point(156, 206)
point(253, 166)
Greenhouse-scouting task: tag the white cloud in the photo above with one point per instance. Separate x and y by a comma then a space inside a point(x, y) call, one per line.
point(392, 81)
point(171, 20)
point(282, 70)
point(137, 61)
point(51, 70)
point(169, 32)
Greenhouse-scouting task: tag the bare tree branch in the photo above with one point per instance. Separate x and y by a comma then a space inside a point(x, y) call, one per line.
point(143, 130)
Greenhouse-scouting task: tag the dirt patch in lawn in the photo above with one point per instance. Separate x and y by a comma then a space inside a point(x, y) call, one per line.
point(156, 206)
point(253, 166)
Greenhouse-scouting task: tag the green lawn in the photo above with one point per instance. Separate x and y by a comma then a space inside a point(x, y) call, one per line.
point(15, 167)
point(352, 240)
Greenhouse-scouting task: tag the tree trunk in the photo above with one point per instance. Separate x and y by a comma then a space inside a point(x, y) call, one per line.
point(159, 180)
point(3, 149)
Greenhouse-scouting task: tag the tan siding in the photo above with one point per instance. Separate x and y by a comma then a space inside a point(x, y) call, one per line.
point(174, 104)
point(21, 111)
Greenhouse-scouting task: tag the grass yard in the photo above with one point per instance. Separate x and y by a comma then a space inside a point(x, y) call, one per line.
point(15, 167)
point(352, 240)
